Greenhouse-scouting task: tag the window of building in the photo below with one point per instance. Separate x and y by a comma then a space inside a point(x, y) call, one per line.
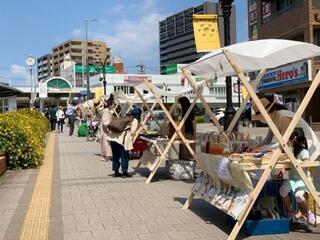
point(4, 106)
point(171, 34)
point(170, 20)
point(179, 16)
point(283, 4)
point(163, 24)
point(316, 4)
point(253, 30)
point(198, 9)
point(163, 36)
point(189, 28)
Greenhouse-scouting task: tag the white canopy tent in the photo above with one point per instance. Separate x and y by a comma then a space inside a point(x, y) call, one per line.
point(258, 56)
point(252, 56)
point(127, 101)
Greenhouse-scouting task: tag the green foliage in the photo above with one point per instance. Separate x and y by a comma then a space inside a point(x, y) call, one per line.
point(199, 119)
point(22, 137)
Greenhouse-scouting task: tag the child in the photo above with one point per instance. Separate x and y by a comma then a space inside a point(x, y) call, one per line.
point(294, 183)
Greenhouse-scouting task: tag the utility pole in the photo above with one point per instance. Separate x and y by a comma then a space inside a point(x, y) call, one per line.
point(103, 79)
point(226, 6)
point(86, 56)
point(142, 69)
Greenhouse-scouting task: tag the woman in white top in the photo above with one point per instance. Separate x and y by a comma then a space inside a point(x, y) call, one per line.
point(122, 143)
point(60, 118)
point(106, 118)
point(310, 150)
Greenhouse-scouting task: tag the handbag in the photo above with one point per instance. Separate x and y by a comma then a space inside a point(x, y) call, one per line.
point(118, 125)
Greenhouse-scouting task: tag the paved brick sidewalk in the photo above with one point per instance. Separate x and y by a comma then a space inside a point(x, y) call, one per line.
point(88, 203)
point(98, 206)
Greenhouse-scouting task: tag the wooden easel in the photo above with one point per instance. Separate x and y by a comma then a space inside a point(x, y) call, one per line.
point(150, 112)
point(283, 140)
point(177, 128)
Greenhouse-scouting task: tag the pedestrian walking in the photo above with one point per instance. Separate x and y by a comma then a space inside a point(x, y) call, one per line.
point(122, 143)
point(71, 114)
point(53, 118)
point(106, 152)
point(60, 119)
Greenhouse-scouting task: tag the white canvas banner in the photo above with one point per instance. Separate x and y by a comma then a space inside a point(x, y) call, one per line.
point(43, 90)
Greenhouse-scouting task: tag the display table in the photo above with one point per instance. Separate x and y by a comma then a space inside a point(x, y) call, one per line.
point(153, 160)
point(223, 174)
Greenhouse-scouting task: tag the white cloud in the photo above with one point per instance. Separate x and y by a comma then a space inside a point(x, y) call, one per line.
point(135, 41)
point(118, 8)
point(18, 71)
point(133, 35)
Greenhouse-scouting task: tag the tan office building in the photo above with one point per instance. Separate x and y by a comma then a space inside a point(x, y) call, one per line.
point(297, 20)
point(97, 52)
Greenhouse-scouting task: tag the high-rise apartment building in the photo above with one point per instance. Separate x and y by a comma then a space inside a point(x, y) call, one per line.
point(96, 53)
point(297, 20)
point(177, 44)
point(44, 64)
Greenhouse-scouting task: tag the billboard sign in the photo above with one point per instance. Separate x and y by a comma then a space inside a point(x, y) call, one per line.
point(137, 78)
point(287, 75)
point(206, 32)
point(94, 69)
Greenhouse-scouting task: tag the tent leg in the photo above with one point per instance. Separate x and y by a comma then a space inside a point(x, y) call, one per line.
point(188, 201)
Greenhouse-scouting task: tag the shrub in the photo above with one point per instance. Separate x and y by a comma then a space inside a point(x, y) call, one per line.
point(199, 119)
point(22, 137)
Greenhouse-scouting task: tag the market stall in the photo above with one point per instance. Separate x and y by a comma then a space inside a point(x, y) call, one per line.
point(225, 160)
point(164, 143)
point(124, 102)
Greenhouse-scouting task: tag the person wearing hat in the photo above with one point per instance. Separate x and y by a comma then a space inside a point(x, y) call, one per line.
point(282, 118)
point(106, 152)
point(122, 143)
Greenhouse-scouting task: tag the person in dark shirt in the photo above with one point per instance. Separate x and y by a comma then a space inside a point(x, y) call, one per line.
point(53, 118)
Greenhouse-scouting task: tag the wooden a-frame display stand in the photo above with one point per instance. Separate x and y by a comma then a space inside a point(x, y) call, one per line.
point(282, 139)
point(150, 109)
point(177, 128)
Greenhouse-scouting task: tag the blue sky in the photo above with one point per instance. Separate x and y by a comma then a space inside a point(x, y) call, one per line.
point(130, 28)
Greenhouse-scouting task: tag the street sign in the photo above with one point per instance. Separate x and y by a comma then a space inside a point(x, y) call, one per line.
point(171, 69)
point(94, 69)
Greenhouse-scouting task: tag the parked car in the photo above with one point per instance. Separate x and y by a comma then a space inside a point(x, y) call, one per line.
point(245, 116)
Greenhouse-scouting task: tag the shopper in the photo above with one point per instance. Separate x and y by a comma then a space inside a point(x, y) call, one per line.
point(294, 183)
point(106, 152)
point(46, 113)
point(122, 143)
point(282, 118)
point(71, 114)
point(60, 118)
point(53, 117)
point(188, 129)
